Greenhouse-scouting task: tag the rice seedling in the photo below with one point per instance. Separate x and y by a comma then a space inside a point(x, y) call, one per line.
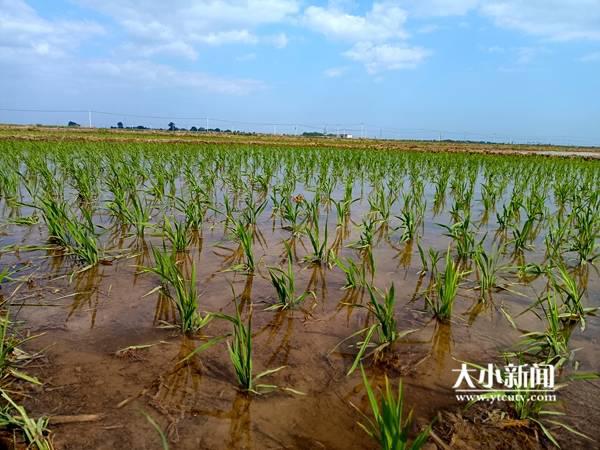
point(587, 231)
point(488, 267)
point(463, 237)
point(240, 350)
point(434, 258)
point(385, 325)
point(390, 427)
point(527, 405)
point(15, 416)
point(522, 235)
point(177, 234)
point(181, 291)
point(291, 211)
point(355, 277)
point(319, 253)
point(572, 297)
point(244, 236)
point(283, 281)
point(551, 345)
point(446, 288)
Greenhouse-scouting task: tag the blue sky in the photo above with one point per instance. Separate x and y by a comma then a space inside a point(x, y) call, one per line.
point(511, 70)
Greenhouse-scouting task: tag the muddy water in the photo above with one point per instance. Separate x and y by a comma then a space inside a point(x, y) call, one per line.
point(84, 322)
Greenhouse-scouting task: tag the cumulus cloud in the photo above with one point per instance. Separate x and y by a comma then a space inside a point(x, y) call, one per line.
point(378, 37)
point(335, 72)
point(153, 26)
point(23, 33)
point(153, 75)
point(379, 57)
point(560, 20)
point(383, 22)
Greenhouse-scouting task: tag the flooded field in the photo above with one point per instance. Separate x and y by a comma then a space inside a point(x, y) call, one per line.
point(230, 296)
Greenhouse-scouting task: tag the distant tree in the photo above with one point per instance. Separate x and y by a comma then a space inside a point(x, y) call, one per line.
point(119, 124)
point(172, 127)
point(202, 129)
point(73, 124)
point(194, 129)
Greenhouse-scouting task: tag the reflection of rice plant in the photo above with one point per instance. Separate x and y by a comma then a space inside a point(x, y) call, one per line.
point(446, 288)
point(283, 281)
point(389, 426)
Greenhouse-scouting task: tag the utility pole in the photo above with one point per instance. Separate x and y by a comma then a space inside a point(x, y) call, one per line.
point(90, 118)
point(207, 124)
point(362, 130)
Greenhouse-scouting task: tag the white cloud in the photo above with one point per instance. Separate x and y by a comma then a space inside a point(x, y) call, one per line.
point(23, 33)
point(379, 57)
point(335, 72)
point(432, 8)
point(561, 20)
point(383, 22)
point(155, 24)
point(590, 57)
point(378, 36)
point(152, 75)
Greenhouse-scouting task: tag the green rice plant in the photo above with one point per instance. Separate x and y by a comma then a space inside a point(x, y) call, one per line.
point(253, 210)
point(488, 267)
point(522, 235)
point(385, 325)
point(381, 204)
point(181, 291)
point(319, 253)
point(244, 236)
point(389, 426)
point(572, 297)
point(434, 258)
point(463, 237)
point(194, 209)
point(138, 214)
point(342, 208)
point(15, 416)
point(409, 222)
point(240, 353)
point(446, 288)
point(526, 404)
point(355, 277)
point(177, 234)
point(584, 240)
point(65, 230)
point(283, 281)
point(551, 345)
point(163, 438)
point(291, 212)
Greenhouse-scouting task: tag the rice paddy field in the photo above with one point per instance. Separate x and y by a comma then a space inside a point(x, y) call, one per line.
point(270, 294)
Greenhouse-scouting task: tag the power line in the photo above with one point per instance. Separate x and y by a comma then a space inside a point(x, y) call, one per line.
point(362, 129)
